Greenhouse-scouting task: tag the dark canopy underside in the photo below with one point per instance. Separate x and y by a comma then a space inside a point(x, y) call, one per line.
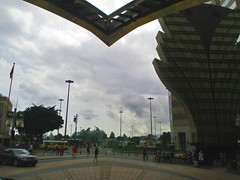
point(110, 28)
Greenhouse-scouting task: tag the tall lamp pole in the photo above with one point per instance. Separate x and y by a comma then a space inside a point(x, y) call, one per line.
point(160, 129)
point(120, 123)
point(150, 99)
point(60, 108)
point(132, 130)
point(71, 129)
point(155, 125)
point(69, 82)
point(76, 121)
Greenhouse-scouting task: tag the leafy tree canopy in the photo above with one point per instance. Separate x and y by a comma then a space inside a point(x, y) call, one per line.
point(112, 135)
point(39, 120)
point(166, 138)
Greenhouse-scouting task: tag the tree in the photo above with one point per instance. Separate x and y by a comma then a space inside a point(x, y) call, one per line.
point(39, 120)
point(112, 135)
point(166, 138)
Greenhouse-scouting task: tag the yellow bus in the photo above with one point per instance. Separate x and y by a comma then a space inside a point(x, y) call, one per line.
point(51, 144)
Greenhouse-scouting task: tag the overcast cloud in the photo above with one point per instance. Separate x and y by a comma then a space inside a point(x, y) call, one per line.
point(48, 50)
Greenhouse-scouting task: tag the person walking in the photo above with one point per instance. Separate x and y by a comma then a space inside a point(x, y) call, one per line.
point(74, 150)
point(61, 150)
point(145, 155)
point(88, 149)
point(45, 149)
point(200, 158)
point(96, 154)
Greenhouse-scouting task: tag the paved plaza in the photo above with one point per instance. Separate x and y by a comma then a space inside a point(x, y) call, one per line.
point(51, 167)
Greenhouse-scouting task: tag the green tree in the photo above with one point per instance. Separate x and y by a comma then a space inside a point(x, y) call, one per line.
point(112, 135)
point(39, 120)
point(166, 138)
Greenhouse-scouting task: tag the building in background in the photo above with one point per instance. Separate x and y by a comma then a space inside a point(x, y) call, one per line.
point(5, 106)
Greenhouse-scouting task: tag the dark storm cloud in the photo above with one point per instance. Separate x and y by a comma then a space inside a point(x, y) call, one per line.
point(135, 103)
point(88, 114)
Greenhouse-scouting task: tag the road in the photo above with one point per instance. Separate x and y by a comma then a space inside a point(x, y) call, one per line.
point(51, 167)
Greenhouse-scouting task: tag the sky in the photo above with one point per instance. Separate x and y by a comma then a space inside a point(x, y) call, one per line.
point(48, 50)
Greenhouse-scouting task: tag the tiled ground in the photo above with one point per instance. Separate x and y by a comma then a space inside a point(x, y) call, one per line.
point(116, 168)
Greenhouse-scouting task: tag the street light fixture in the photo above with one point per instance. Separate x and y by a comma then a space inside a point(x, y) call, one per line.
point(132, 130)
point(155, 125)
point(150, 99)
point(71, 129)
point(60, 108)
point(69, 82)
point(160, 129)
point(120, 123)
point(76, 121)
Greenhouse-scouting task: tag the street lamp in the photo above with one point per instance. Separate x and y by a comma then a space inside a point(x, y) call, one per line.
point(69, 82)
point(60, 108)
point(120, 123)
point(150, 99)
point(75, 120)
point(160, 129)
point(71, 130)
point(132, 130)
point(155, 125)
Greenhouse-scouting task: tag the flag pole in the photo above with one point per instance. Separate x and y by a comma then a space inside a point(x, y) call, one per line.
point(8, 101)
point(11, 77)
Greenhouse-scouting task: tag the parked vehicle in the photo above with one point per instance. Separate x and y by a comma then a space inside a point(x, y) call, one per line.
point(18, 157)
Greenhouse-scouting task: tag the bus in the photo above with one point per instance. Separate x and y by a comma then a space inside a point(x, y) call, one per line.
point(51, 144)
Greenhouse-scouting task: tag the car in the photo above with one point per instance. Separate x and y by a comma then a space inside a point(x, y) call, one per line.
point(18, 157)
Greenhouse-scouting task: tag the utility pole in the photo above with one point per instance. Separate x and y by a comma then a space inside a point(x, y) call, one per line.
point(69, 82)
point(75, 119)
point(150, 99)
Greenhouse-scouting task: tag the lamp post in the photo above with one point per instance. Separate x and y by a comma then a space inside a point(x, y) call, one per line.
point(155, 125)
point(75, 120)
point(120, 123)
point(160, 129)
point(60, 108)
point(150, 99)
point(71, 129)
point(132, 130)
point(69, 82)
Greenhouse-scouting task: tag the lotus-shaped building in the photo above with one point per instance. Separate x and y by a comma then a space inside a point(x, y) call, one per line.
point(200, 65)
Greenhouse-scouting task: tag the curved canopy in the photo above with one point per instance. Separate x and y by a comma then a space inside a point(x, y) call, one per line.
point(110, 28)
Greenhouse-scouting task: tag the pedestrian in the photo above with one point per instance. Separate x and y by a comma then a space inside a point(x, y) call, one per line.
point(96, 154)
point(88, 149)
point(74, 150)
point(61, 150)
point(31, 149)
point(200, 158)
point(145, 155)
point(45, 149)
point(57, 149)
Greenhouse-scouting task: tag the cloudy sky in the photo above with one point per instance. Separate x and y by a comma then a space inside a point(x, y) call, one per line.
point(48, 50)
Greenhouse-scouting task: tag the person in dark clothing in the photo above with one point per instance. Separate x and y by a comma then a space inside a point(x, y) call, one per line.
point(88, 149)
point(145, 155)
point(96, 154)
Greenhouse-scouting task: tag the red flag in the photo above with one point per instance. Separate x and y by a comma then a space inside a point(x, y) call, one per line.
point(11, 73)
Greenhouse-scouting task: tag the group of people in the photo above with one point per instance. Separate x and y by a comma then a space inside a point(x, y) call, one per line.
point(96, 151)
point(60, 150)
